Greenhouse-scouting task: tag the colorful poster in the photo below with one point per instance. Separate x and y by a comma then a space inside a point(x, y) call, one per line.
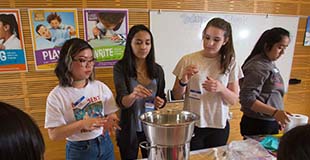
point(12, 50)
point(50, 28)
point(106, 31)
point(307, 34)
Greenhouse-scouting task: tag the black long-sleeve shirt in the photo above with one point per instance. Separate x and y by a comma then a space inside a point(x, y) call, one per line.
point(127, 136)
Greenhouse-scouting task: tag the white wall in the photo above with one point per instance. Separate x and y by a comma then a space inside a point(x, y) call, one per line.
point(179, 33)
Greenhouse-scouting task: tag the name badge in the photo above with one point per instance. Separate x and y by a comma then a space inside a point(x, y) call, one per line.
point(80, 103)
point(195, 94)
point(149, 106)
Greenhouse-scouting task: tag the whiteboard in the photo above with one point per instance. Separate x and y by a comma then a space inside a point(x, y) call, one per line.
point(177, 33)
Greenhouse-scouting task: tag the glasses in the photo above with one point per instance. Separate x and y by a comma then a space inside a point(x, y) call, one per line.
point(85, 63)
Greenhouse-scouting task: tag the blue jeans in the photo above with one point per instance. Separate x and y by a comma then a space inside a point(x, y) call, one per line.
point(100, 148)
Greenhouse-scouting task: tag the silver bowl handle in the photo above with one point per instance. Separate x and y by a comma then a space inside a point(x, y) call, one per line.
point(146, 145)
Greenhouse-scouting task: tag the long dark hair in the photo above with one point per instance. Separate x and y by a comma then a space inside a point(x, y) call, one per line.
point(227, 51)
point(128, 61)
point(266, 41)
point(71, 48)
point(294, 144)
point(9, 19)
point(20, 137)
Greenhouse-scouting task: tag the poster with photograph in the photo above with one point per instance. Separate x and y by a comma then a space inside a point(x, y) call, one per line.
point(50, 28)
point(12, 48)
point(307, 33)
point(106, 30)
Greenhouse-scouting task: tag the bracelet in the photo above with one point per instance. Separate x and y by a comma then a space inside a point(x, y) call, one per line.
point(182, 84)
point(274, 113)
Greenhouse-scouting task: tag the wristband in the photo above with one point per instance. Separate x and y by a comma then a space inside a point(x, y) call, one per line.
point(274, 113)
point(182, 84)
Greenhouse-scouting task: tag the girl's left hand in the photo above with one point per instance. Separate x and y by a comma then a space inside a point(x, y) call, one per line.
point(112, 123)
point(212, 85)
point(158, 102)
point(282, 117)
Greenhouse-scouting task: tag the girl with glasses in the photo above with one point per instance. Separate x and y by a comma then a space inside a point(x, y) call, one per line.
point(81, 109)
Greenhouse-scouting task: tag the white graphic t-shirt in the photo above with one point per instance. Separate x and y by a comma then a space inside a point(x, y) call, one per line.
point(67, 104)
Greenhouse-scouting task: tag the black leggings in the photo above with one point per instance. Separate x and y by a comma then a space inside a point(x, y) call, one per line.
point(141, 138)
point(252, 126)
point(131, 153)
point(209, 137)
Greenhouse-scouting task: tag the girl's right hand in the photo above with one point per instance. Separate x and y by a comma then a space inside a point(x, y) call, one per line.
point(140, 92)
point(93, 123)
point(189, 71)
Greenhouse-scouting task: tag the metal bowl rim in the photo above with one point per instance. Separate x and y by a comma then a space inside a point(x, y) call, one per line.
point(142, 118)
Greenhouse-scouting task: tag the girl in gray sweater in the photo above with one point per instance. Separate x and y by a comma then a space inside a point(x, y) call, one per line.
point(262, 88)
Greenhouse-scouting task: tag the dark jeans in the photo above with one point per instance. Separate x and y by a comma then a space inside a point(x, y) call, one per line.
point(252, 126)
point(100, 148)
point(209, 137)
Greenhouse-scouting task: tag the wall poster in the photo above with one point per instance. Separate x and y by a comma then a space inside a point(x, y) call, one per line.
point(12, 48)
point(106, 31)
point(50, 28)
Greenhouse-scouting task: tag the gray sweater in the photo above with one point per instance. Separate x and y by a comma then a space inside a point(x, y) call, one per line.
point(262, 81)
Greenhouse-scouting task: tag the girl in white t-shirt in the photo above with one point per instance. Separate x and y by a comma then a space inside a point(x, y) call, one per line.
point(208, 80)
point(80, 108)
